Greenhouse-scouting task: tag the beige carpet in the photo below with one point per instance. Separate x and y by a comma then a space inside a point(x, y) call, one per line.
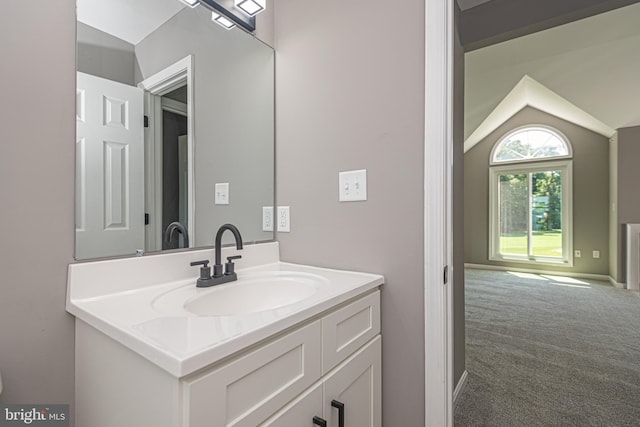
point(549, 351)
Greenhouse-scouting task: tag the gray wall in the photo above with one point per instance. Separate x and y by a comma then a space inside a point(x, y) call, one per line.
point(350, 95)
point(590, 194)
point(458, 207)
point(234, 129)
point(628, 179)
point(103, 55)
point(37, 191)
point(265, 26)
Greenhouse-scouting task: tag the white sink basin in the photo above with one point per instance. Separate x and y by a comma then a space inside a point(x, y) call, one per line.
point(250, 296)
point(251, 293)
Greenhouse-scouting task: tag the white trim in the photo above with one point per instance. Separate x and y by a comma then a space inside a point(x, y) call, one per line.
point(566, 167)
point(529, 92)
point(170, 78)
point(462, 384)
point(153, 166)
point(161, 83)
point(589, 276)
point(157, 119)
point(438, 146)
point(633, 252)
point(617, 284)
point(174, 106)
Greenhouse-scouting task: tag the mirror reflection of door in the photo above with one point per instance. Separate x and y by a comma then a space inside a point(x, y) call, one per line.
point(109, 185)
point(174, 163)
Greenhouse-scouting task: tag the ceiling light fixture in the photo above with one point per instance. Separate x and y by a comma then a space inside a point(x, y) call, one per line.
point(191, 3)
point(231, 14)
point(222, 21)
point(251, 7)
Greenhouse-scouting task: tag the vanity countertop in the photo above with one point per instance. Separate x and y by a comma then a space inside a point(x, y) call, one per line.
point(145, 310)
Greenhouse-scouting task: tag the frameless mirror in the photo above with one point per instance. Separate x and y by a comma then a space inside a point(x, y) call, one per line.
point(175, 128)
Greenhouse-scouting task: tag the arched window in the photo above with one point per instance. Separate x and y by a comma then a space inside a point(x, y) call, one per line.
point(530, 197)
point(531, 143)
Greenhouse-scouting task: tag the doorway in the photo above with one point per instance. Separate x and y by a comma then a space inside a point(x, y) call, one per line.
point(175, 164)
point(169, 196)
point(592, 254)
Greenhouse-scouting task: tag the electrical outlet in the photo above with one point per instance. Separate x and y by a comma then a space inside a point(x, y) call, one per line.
point(578, 254)
point(267, 218)
point(596, 254)
point(283, 219)
point(222, 193)
point(353, 186)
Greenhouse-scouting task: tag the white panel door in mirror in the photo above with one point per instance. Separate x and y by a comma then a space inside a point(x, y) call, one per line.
point(110, 200)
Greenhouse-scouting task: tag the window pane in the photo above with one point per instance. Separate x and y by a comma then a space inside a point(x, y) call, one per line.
point(546, 214)
point(513, 199)
point(530, 143)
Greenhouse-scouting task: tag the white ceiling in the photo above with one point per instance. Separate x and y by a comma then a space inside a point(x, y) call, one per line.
point(129, 20)
point(593, 64)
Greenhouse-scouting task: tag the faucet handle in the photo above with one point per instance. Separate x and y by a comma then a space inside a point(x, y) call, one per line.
point(203, 263)
point(229, 267)
point(205, 271)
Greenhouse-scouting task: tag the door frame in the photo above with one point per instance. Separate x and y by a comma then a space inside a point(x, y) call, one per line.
point(438, 164)
point(161, 83)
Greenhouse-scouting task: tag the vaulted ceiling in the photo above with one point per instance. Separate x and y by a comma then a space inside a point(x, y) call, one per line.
point(593, 64)
point(468, 4)
point(483, 23)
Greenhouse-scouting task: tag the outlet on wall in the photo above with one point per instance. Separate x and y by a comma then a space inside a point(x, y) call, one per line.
point(596, 254)
point(577, 253)
point(283, 219)
point(267, 218)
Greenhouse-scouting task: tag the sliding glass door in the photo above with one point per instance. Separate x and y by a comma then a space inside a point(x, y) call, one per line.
point(530, 206)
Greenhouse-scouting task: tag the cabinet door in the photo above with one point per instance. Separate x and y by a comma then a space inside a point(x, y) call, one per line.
point(346, 330)
point(356, 383)
point(300, 412)
point(251, 388)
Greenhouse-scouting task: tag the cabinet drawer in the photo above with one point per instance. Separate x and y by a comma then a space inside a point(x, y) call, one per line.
point(248, 390)
point(349, 328)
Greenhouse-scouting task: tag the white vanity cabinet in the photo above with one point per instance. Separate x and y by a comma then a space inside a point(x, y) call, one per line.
point(285, 380)
point(355, 384)
point(247, 390)
point(334, 357)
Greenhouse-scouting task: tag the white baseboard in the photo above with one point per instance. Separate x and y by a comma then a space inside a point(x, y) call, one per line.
point(600, 277)
point(462, 383)
point(617, 284)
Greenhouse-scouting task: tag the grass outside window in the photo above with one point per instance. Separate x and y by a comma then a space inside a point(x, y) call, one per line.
point(544, 244)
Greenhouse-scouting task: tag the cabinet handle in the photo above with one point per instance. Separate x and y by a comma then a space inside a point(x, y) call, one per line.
point(340, 407)
point(319, 422)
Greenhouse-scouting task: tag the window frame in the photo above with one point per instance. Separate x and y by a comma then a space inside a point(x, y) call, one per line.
point(512, 132)
point(566, 169)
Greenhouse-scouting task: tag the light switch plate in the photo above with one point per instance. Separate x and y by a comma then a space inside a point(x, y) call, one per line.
point(353, 186)
point(267, 218)
point(222, 193)
point(283, 219)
